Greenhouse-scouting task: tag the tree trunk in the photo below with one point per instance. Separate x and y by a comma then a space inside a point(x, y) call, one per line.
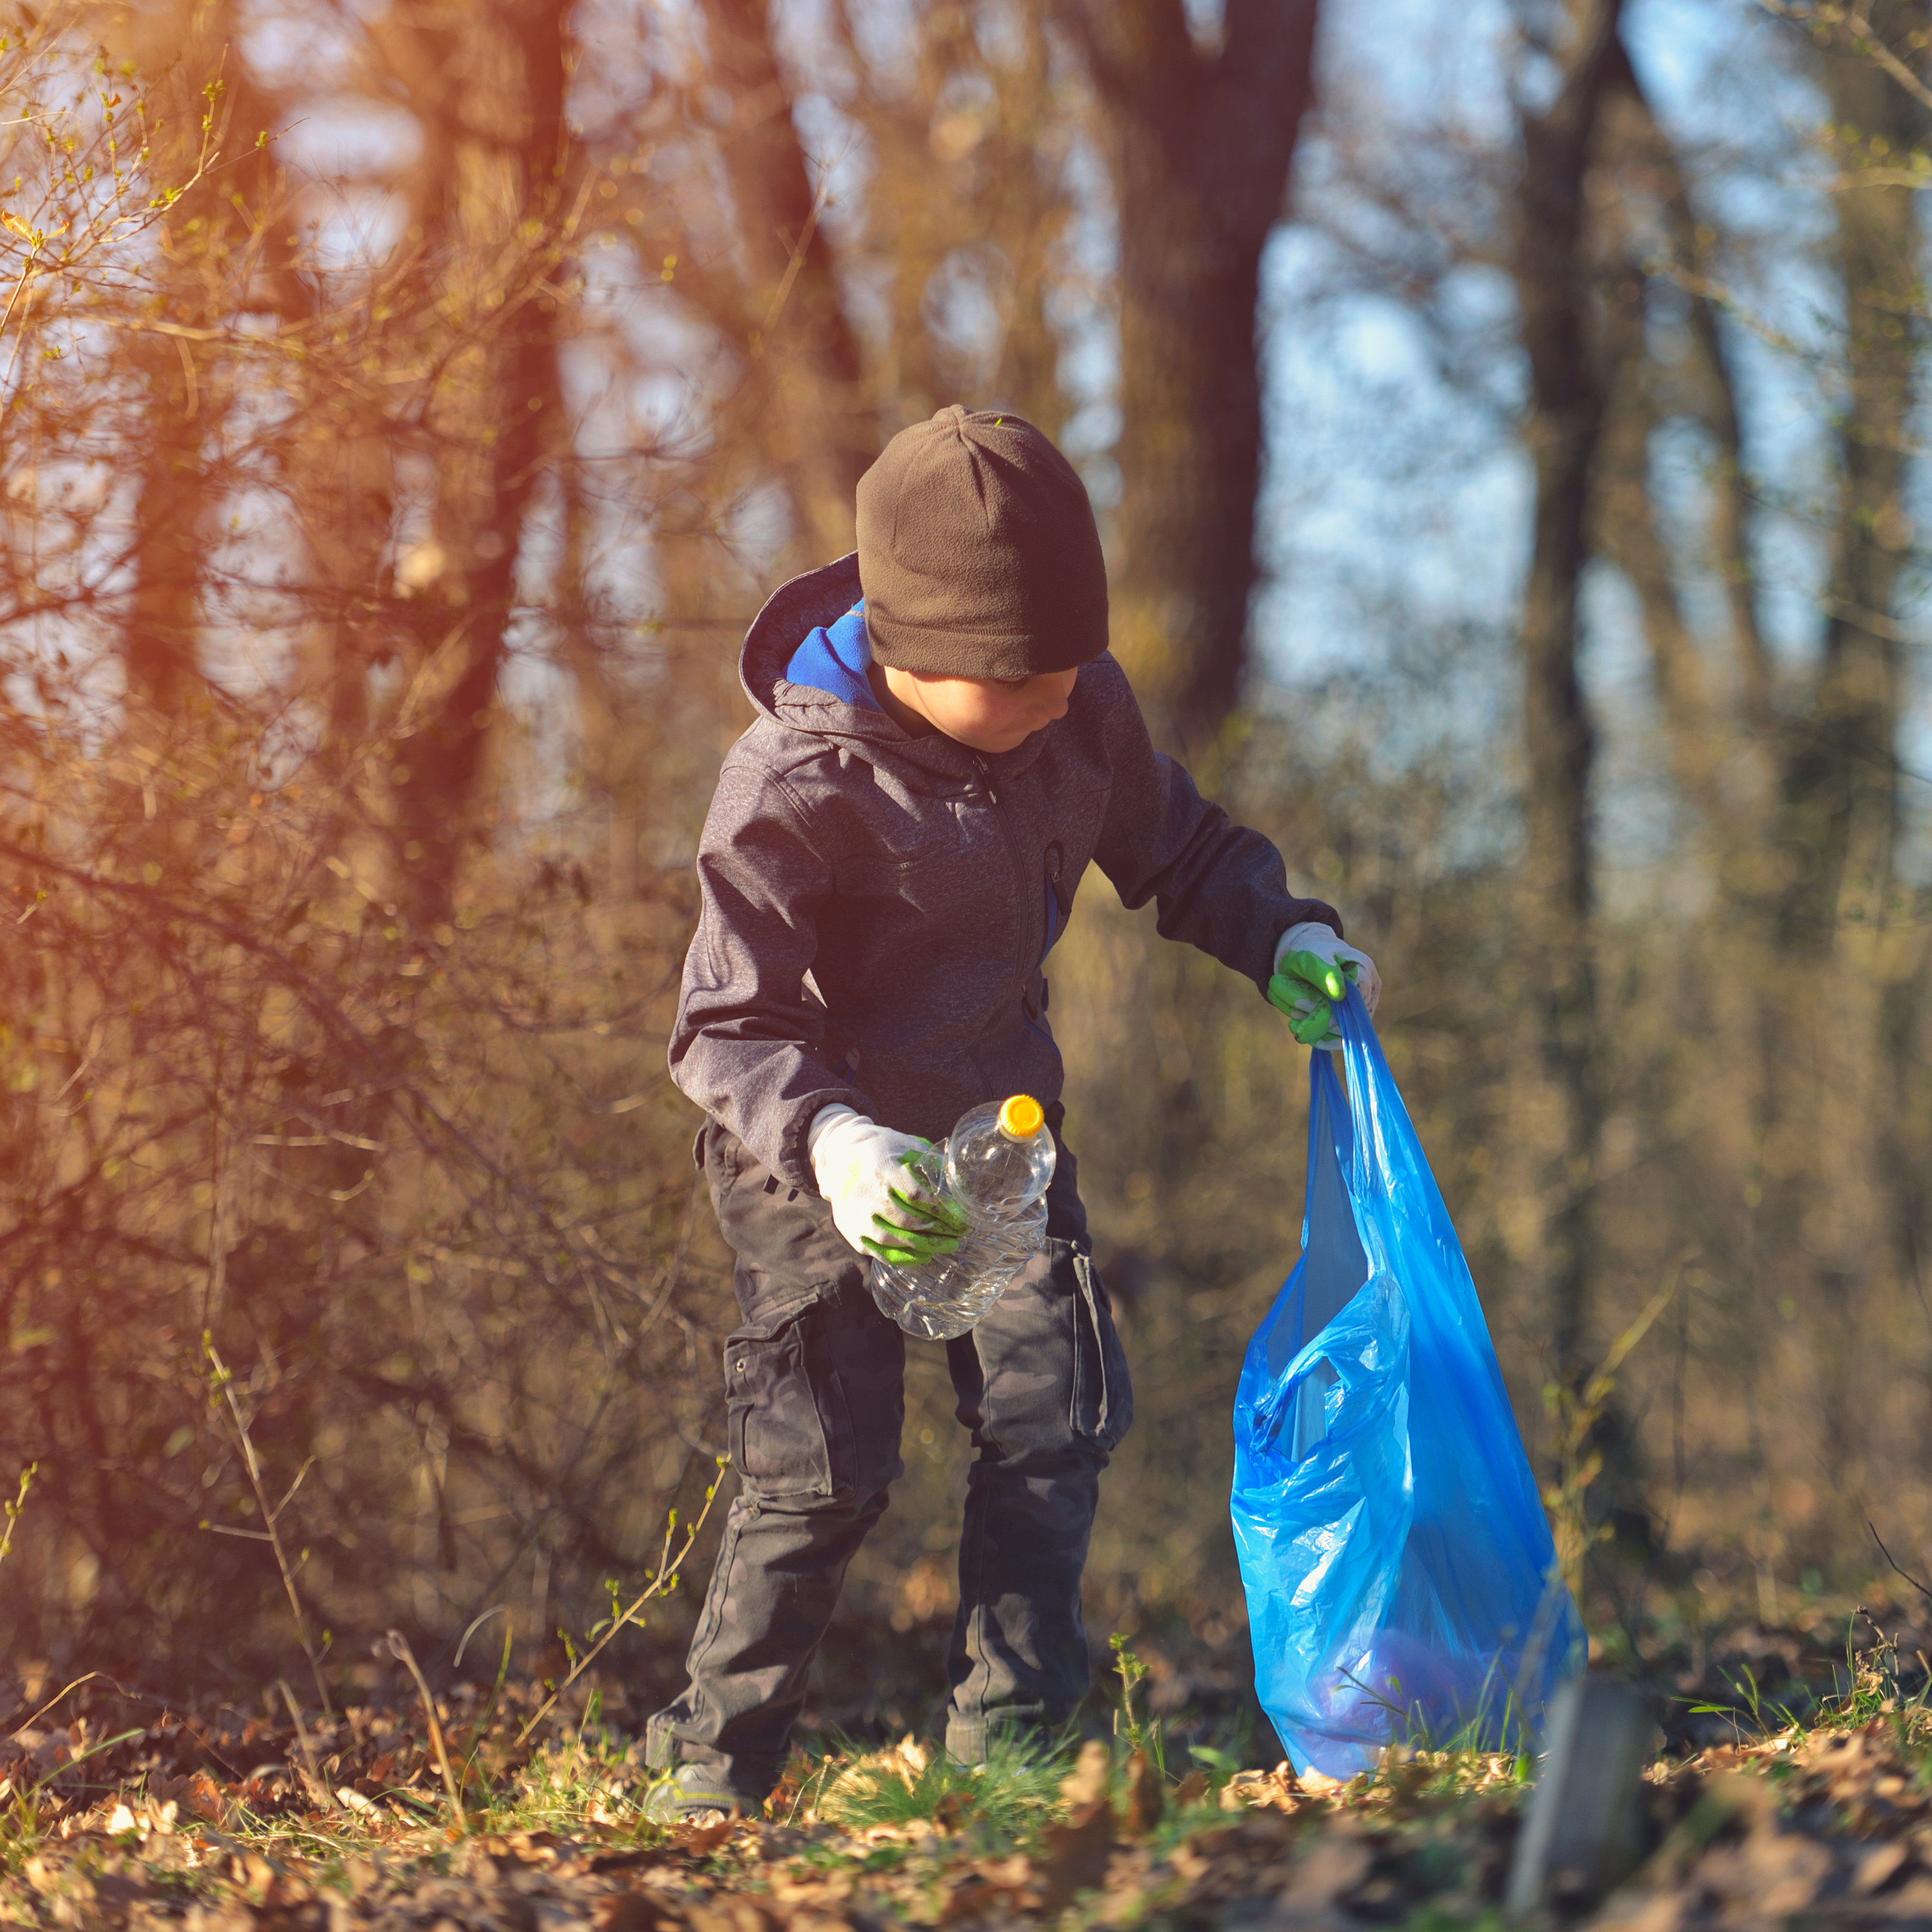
point(1553, 272)
point(986, 177)
point(1200, 143)
point(209, 273)
point(1718, 746)
point(814, 418)
point(490, 89)
point(1841, 777)
point(160, 647)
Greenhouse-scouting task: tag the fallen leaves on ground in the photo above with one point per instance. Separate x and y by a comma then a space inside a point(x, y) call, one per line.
point(220, 1823)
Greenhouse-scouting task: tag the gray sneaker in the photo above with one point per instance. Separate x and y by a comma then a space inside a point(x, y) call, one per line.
point(698, 1794)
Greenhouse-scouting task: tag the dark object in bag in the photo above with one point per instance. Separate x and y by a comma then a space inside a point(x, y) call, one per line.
point(1402, 1584)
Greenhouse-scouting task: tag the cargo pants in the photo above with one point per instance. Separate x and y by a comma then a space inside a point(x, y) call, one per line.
point(813, 1377)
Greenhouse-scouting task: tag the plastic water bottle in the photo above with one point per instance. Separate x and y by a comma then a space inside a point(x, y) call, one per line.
point(996, 1165)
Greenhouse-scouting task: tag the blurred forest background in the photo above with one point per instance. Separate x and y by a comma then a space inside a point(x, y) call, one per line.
point(1505, 422)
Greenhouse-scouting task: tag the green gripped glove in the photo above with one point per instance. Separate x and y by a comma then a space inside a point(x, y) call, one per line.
point(943, 1224)
point(1304, 987)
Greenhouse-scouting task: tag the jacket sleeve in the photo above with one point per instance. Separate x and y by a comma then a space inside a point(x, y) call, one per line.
point(748, 1045)
point(1219, 886)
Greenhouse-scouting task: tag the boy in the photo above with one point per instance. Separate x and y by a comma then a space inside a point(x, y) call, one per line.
point(943, 746)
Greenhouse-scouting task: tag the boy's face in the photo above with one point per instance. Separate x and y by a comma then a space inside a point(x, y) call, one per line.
point(985, 714)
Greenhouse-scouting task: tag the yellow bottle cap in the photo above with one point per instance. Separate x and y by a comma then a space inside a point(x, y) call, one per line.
point(1021, 1116)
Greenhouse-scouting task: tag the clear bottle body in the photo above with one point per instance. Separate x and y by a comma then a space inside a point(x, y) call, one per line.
point(999, 1177)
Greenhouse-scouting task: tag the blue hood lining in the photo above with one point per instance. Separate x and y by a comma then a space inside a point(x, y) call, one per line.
point(835, 661)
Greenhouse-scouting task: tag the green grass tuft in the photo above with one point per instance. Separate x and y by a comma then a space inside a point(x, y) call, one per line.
point(996, 1807)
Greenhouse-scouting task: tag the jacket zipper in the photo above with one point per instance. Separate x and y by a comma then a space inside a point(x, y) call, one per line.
point(1019, 867)
point(1056, 912)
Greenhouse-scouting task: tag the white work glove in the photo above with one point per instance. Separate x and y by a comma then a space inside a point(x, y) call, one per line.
point(1310, 963)
point(879, 1203)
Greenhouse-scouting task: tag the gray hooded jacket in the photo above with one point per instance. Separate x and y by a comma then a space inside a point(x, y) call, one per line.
point(876, 908)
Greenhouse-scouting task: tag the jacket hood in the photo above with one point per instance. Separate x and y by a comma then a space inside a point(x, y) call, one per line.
point(818, 599)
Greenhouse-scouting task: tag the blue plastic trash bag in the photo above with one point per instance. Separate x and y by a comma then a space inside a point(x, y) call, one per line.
point(1401, 1583)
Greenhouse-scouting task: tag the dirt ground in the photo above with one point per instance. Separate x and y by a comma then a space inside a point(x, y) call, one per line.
point(1790, 1786)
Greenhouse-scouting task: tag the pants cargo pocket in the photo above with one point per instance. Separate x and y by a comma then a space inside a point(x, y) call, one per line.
point(816, 1399)
point(777, 1433)
point(862, 1391)
point(1103, 1390)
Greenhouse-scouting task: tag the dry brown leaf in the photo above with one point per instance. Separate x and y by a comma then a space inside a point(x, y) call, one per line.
point(615, 1861)
point(986, 1888)
point(364, 1874)
point(320, 1797)
point(285, 1893)
point(731, 1912)
point(1147, 1796)
point(1076, 1854)
point(206, 1799)
point(1093, 1772)
point(1793, 1871)
point(1913, 1900)
point(700, 1838)
point(1280, 1787)
point(952, 1811)
point(636, 1912)
point(229, 1916)
point(1877, 1867)
point(1331, 1866)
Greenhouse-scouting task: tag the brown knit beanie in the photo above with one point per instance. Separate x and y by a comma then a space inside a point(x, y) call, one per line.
point(977, 551)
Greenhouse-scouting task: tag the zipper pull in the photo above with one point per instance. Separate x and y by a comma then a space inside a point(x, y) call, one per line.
point(985, 778)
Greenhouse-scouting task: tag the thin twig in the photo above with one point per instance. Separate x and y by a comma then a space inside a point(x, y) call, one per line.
point(55, 1698)
point(318, 1787)
point(224, 1381)
point(476, 1624)
point(1859, 21)
point(295, 1712)
point(800, 251)
point(667, 1575)
point(26, 269)
point(1894, 1562)
point(12, 1510)
point(479, 1729)
point(288, 1495)
point(398, 1646)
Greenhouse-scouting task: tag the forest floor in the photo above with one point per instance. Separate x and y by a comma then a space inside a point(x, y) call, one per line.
point(1793, 1784)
